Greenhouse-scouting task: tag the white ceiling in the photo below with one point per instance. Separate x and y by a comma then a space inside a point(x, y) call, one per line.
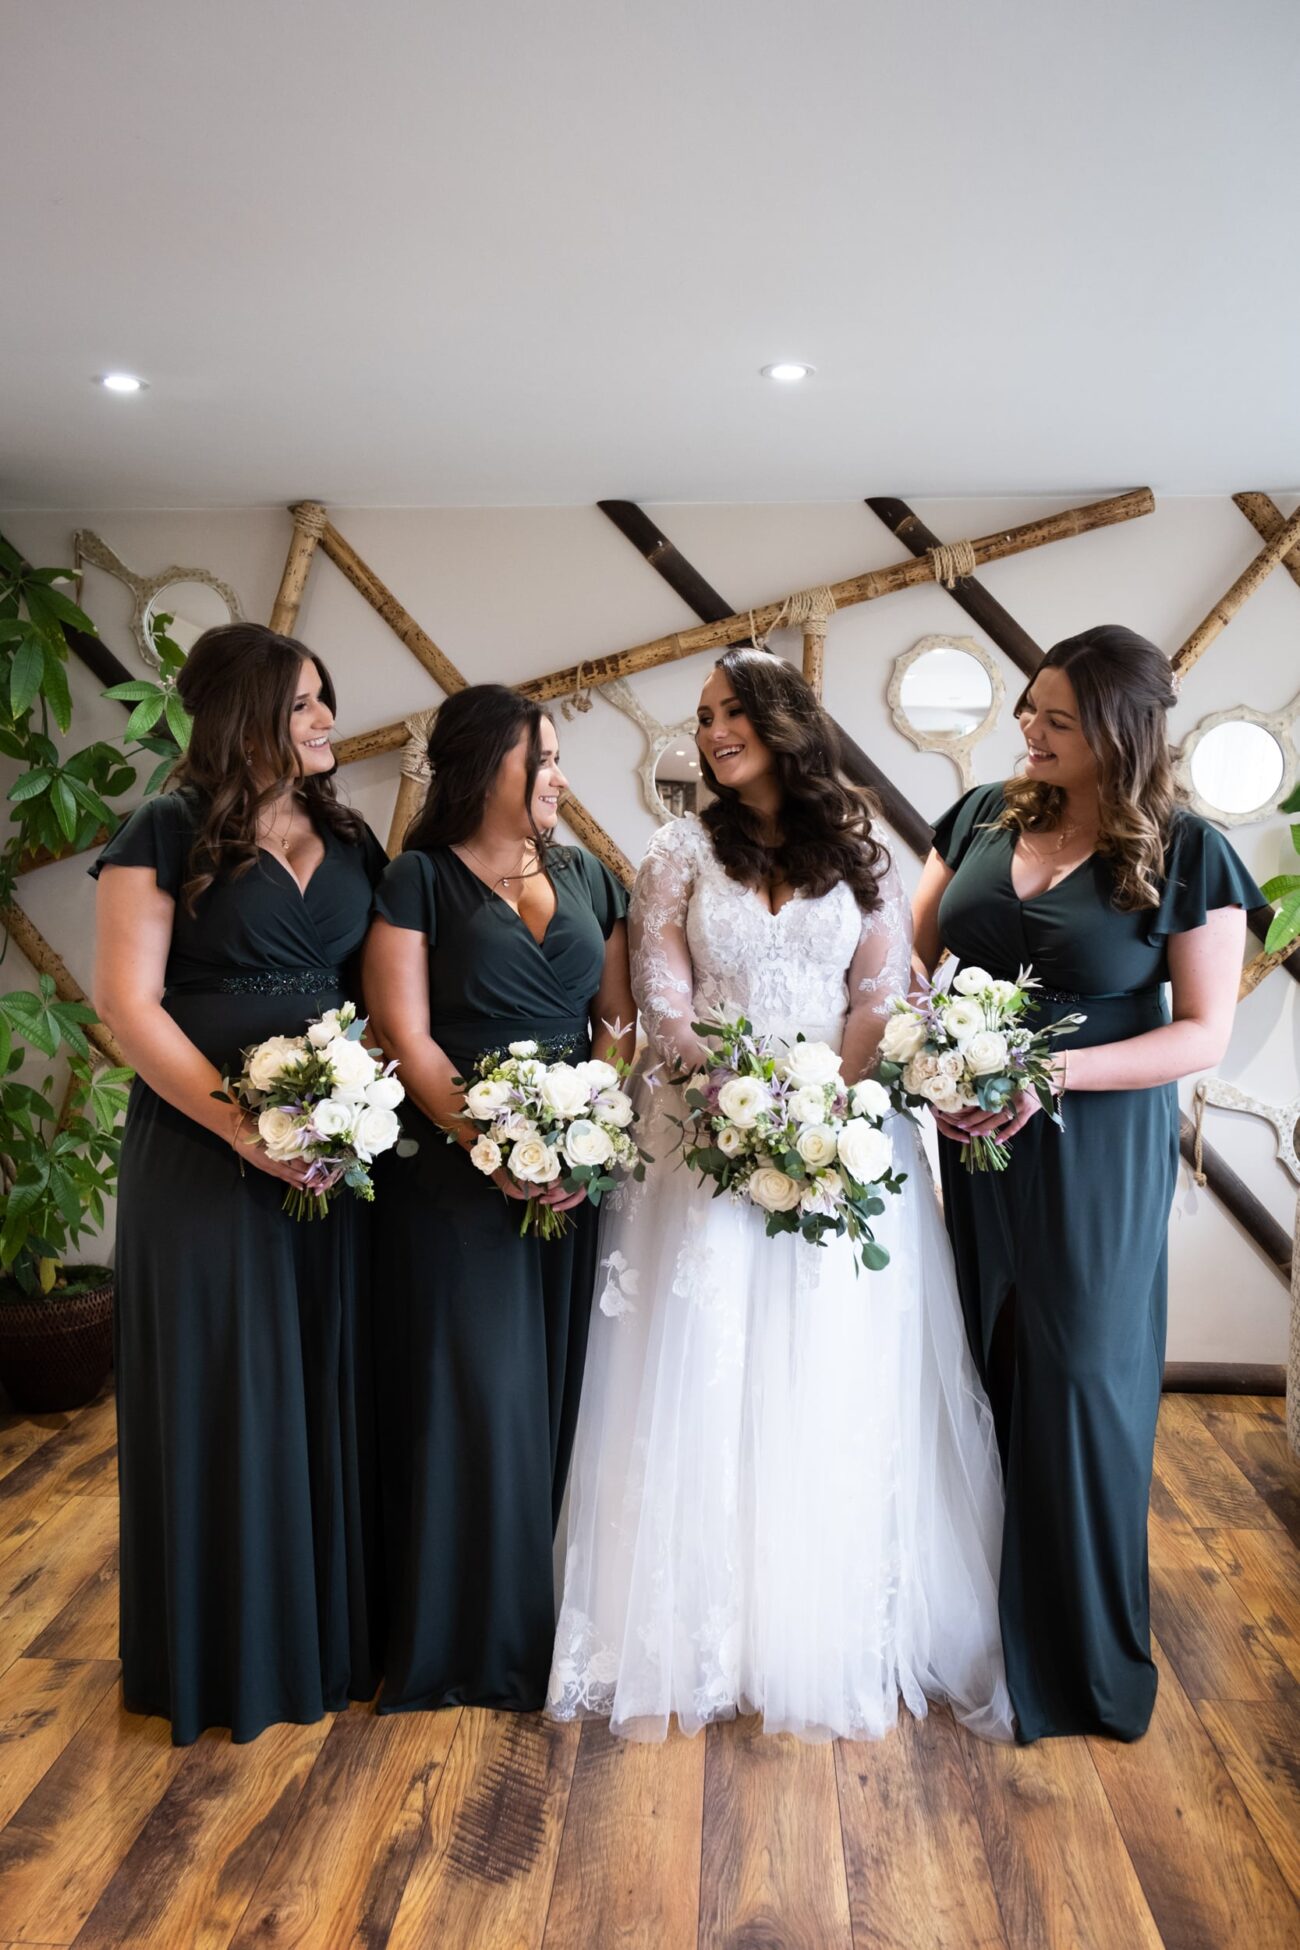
point(497, 251)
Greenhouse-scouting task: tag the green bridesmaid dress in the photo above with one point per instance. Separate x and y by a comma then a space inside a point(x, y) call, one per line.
point(251, 1590)
point(481, 1335)
point(1073, 1234)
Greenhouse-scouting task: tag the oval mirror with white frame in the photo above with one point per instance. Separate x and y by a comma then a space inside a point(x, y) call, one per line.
point(671, 784)
point(184, 609)
point(945, 694)
point(195, 599)
point(1235, 765)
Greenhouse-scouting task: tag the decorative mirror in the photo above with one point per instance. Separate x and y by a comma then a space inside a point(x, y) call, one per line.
point(1237, 764)
point(194, 599)
point(945, 694)
point(670, 770)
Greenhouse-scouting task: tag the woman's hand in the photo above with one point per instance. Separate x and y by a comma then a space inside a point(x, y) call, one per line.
point(550, 1195)
point(250, 1150)
point(963, 1125)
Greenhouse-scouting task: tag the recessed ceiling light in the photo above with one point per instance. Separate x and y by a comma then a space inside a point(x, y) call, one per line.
point(787, 371)
point(121, 382)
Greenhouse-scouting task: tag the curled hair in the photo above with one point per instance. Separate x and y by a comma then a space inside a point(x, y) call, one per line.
point(825, 820)
point(1124, 687)
point(239, 683)
point(470, 738)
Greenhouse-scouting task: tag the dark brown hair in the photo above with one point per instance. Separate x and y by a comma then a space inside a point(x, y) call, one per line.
point(469, 739)
point(239, 683)
point(825, 820)
point(1124, 687)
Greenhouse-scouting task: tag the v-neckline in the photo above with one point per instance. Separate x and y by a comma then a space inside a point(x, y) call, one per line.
point(1027, 900)
point(509, 906)
point(288, 871)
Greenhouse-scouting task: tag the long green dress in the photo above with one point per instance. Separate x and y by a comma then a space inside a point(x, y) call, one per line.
point(1074, 1232)
point(481, 1335)
point(251, 1588)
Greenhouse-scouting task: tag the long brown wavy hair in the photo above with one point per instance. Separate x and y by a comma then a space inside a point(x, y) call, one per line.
point(238, 684)
point(471, 735)
point(825, 820)
point(1124, 687)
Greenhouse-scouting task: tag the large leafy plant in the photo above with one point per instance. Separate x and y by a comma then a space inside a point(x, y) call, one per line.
point(1284, 891)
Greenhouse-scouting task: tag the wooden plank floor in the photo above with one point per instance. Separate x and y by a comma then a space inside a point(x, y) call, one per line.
point(485, 1829)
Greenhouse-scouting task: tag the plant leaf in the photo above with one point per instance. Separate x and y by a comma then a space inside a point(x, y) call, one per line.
point(179, 722)
point(146, 715)
point(25, 674)
point(1285, 925)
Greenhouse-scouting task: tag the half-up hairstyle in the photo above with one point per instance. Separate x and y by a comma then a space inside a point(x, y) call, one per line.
point(1124, 688)
point(239, 683)
point(470, 737)
point(825, 820)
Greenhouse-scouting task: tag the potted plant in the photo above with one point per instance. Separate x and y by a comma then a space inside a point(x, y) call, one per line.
point(1284, 889)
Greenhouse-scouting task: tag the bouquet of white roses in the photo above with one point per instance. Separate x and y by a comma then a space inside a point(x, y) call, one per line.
point(325, 1097)
point(968, 1048)
point(551, 1122)
point(779, 1127)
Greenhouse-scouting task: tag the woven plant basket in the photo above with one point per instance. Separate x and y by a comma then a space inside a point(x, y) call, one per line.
point(55, 1352)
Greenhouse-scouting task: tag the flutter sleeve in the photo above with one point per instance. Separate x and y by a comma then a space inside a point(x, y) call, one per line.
point(880, 970)
point(959, 825)
point(608, 895)
point(663, 979)
point(406, 896)
point(158, 834)
point(1202, 872)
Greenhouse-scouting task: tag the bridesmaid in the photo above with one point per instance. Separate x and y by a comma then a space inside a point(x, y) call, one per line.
point(1087, 868)
point(227, 911)
point(488, 932)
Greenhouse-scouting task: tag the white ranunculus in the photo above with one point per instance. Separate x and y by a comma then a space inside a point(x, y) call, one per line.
point(586, 1144)
point(385, 1093)
point(375, 1130)
point(330, 1119)
point(486, 1155)
point(524, 1048)
point(810, 1063)
point(986, 1053)
point(962, 1019)
point(744, 1100)
point(321, 1034)
point(972, 981)
point(865, 1152)
point(528, 1072)
point(485, 1099)
point(351, 1062)
point(271, 1059)
point(773, 1190)
point(279, 1132)
point(816, 1145)
point(869, 1099)
point(904, 1035)
point(614, 1107)
point(807, 1105)
point(534, 1162)
point(596, 1074)
point(1004, 992)
point(730, 1141)
point(563, 1091)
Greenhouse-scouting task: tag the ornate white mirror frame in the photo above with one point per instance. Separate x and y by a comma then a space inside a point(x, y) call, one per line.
point(1278, 726)
point(957, 744)
point(91, 548)
point(659, 738)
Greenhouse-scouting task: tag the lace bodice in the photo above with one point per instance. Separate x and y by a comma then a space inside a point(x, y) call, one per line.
point(701, 942)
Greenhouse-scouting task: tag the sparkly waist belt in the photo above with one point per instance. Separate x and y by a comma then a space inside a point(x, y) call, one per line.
point(266, 981)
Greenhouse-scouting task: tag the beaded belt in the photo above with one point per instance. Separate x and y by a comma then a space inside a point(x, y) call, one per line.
point(1073, 995)
point(280, 981)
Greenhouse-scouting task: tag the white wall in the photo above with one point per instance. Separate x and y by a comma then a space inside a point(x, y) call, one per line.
point(510, 594)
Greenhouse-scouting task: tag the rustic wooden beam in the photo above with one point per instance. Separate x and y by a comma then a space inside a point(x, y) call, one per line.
point(1283, 541)
point(1251, 1215)
point(910, 825)
point(309, 520)
point(1267, 519)
point(982, 608)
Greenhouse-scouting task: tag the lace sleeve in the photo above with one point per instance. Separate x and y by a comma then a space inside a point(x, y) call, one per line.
point(663, 980)
point(881, 969)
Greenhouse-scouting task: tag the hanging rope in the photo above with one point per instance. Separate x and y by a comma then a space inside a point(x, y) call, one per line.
point(1198, 1133)
point(805, 609)
point(311, 518)
point(951, 561)
point(415, 752)
point(581, 699)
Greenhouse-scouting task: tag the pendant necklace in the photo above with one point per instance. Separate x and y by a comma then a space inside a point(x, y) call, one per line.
point(502, 880)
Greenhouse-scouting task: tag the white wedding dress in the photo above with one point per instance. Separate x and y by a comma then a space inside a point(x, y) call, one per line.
point(785, 1495)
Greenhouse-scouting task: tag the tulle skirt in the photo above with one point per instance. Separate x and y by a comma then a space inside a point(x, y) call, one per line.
point(785, 1496)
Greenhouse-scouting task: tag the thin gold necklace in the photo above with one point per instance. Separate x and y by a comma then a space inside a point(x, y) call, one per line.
point(502, 880)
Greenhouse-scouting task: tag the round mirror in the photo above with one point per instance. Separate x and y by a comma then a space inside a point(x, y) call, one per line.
point(1238, 768)
point(183, 610)
point(946, 691)
point(677, 778)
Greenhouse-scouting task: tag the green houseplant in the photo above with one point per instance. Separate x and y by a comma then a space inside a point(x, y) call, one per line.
point(1284, 891)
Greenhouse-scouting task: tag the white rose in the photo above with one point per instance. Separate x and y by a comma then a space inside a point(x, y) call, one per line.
point(942, 1092)
point(865, 1152)
point(351, 1063)
point(904, 1035)
point(279, 1132)
point(596, 1074)
point(487, 1098)
point(810, 1063)
point(869, 1099)
point(331, 1119)
point(986, 1053)
point(524, 1048)
point(807, 1105)
point(816, 1145)
point(534, 1162)
point(614, 1107)
point(586, 1144)
point(772, 1190)
point(962, 1019)
point(729, 1141)
point(375, 1130)
point(321, 1034)
point(924, 1065)
point(385, 1093)
point(744, 1100)
point(972, 981)
point(272, 1058)
point(563, 1091)
point(516, 1126)
point(486, 1155)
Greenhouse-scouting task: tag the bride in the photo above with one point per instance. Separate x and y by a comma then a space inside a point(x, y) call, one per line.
point(785, 1495)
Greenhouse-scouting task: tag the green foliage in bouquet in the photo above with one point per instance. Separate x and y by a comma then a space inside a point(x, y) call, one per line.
point(1284, 891)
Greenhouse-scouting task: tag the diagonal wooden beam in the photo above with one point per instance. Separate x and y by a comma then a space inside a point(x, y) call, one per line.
point(1267, 519)
point(997, 623)
point(911, 826)
point(1281, 544)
